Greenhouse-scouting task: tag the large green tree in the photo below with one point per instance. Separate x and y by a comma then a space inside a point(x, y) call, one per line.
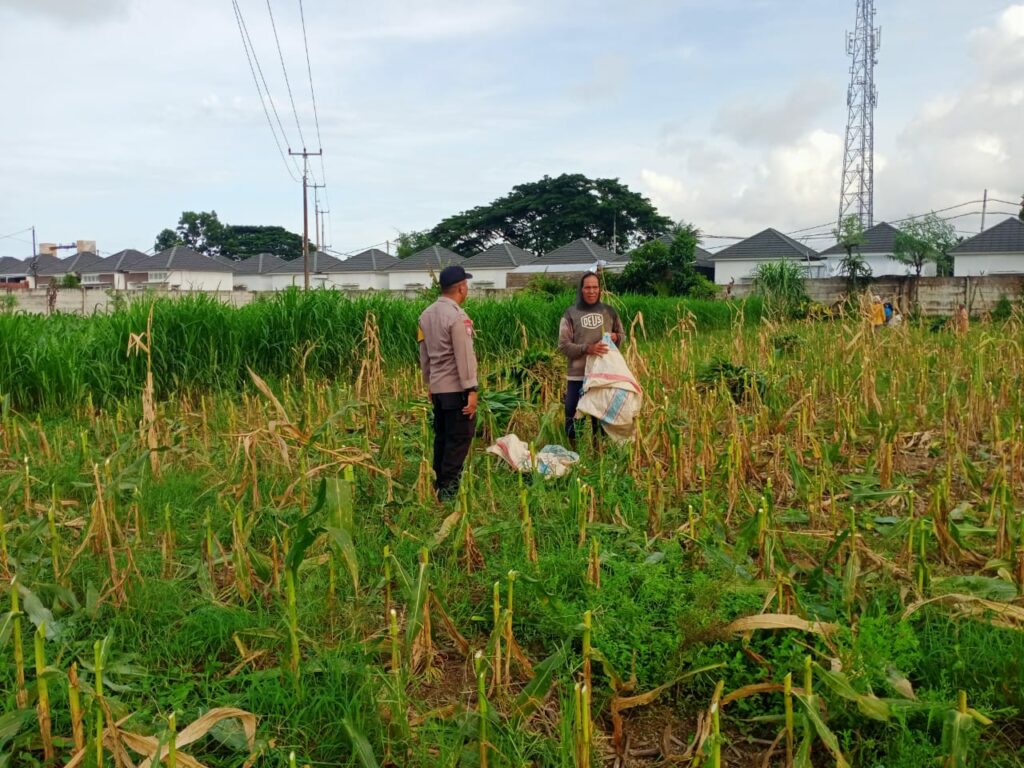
point(542, 215)
point(409, 243)
point(243, 241)
point(666, 269)
point(204, 233)
point(926, 239)
point(201, 231)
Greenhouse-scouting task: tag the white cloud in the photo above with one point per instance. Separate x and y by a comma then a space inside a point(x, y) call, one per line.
point(725, 188)
point(967, 140)
point(70, 12)
point(756, 121)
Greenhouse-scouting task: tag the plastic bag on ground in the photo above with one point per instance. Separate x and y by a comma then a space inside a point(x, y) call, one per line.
point(550, 461)
point(611, 393)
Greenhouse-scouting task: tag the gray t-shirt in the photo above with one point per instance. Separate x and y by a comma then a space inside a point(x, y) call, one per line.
point(582, 327)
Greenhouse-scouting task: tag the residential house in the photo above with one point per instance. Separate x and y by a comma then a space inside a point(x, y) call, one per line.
point(740, 260)
point(181, 269)
point(14, 274)
point(254, 273)
point(421, 269)
point(365, 271)
point(322, 270)
point(877, 251)
point(999, 250)
point(490, 268)
point(569, 262)
point(49, 269)
point(122, 270)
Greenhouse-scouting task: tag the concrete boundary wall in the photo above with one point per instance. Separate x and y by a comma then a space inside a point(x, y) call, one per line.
point(936, 295)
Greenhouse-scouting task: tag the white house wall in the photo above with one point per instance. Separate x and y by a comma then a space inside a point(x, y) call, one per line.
point(975, 265)
point(359, 281)
point(185, 280)
point(555, 269)
point(400, 281)
point(744, 269)
point(882, 265)
point(255, 282)
point(496, 278)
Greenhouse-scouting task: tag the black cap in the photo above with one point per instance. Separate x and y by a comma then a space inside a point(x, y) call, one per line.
point(452, 275)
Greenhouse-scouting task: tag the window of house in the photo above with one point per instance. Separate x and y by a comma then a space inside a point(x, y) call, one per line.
point(157, 277)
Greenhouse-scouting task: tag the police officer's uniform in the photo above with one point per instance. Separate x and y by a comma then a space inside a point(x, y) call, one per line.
point(448, 363)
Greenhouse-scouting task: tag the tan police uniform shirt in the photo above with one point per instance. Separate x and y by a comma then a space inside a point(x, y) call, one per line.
point(446, 347)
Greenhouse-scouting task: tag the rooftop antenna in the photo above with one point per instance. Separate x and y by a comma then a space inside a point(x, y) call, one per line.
point(856, 194)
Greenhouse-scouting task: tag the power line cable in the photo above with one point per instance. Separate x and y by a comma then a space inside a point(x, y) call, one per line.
point(18, 232)
point(250, 54)
point(284, 70)
point(316, 116)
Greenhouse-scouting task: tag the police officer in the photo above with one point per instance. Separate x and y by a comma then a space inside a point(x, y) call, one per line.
point(449, 370)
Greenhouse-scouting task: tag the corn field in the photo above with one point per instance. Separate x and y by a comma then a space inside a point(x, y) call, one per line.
point(219, 545)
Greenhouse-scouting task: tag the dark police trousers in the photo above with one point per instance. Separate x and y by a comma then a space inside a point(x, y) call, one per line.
point(453, 433)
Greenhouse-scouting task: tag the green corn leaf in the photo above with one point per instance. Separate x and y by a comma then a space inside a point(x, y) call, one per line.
point(533, 695)
point(6, 627)
point(305, 532)
point(956, 737)
point(869, 705)
point(38, 613)
point(985, 587)
point(414, 617)
point(343, 543)
point(12, 722)
point(360, 745)
point(828, 738)
point(802, 758)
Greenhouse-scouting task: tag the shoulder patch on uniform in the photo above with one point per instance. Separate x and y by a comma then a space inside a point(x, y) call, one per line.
point(469, 325)
point(419, 334)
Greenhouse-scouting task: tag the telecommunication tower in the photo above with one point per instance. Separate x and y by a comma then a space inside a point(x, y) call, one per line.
point(856, 196)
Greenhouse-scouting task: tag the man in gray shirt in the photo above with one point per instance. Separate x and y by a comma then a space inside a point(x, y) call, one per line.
point(448, 363)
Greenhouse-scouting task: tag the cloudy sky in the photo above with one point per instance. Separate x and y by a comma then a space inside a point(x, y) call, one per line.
point(120, 114)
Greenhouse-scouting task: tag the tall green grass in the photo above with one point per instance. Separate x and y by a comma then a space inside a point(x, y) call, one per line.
point(54, 363)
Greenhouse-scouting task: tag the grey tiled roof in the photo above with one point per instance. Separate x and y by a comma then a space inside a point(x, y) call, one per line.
point(125, 261)
point(10, 266)
point(226, 261)
point(260, 264)
point(50, 265)
point(434, 257)
point(581, 251)
point(768, 244)
point(498, 256)
point(182, 257)
point(880, 238)
point(76, 263)
point(1005, 237)
point(373, 260)
point(319, 263)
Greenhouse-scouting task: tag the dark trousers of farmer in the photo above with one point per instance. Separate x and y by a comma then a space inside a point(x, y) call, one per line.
point(453, 433)
point(573, 392)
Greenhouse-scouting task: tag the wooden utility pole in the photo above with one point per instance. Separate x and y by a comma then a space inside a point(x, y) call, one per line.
point(305, 212)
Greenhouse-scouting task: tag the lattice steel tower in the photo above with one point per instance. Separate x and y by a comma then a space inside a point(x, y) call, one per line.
point(856, 196)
